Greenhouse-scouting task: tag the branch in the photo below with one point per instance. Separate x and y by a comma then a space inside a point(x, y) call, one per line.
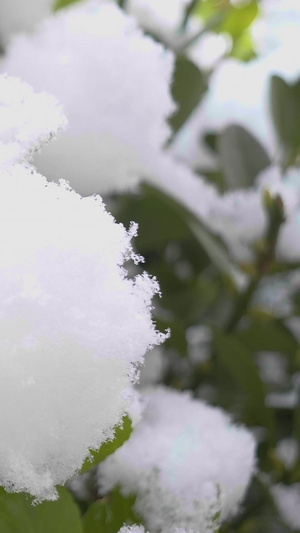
point(265, 256)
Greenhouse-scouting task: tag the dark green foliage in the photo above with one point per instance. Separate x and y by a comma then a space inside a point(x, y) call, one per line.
point(109, 514)
point(19, 515)
point(285, 108)
point(242, 157)
point(64, 3)
point(188, 87)
point(238, 361)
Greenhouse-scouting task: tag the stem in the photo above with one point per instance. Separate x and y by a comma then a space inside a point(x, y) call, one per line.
point(241, 306)
point(211, 24)
point(187, 14)
point(122, 4)
point(265, 256)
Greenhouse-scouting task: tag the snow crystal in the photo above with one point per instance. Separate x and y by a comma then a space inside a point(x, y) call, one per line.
point(27, 120)
point(132, 529)
point(73, 327)
point(114, 84)
point(16, 16)
point(287, 499)
point(185, 461)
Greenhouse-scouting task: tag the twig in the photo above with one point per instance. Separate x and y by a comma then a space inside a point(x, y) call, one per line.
point(266, 252)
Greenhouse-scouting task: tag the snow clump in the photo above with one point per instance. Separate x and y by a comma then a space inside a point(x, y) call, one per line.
point(113, 82)
point(186, 461)
point(132, 529)
point(73, 327)
point(27, 120)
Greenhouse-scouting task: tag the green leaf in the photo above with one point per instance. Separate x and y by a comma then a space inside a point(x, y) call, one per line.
point(109, 514)
point(216, 252)
point(154, 231)
point(188, 88)
point(233, 20)
point(266, 334)
point(241, 157)
point(243, 48)
point(64, 3)
point(285, 109)
point(18, 515)
point(122, 433)
point(238, 19)
point(238, 361)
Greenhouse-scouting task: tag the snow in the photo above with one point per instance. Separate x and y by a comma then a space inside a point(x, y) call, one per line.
point(185, 461)
point(116, 103)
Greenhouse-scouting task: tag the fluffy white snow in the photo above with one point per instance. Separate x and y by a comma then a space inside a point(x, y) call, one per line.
point(20, 16)
point(185, 461)
point(117, 116)
point(72, 328)
point(113, 82)
point(27, 120)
